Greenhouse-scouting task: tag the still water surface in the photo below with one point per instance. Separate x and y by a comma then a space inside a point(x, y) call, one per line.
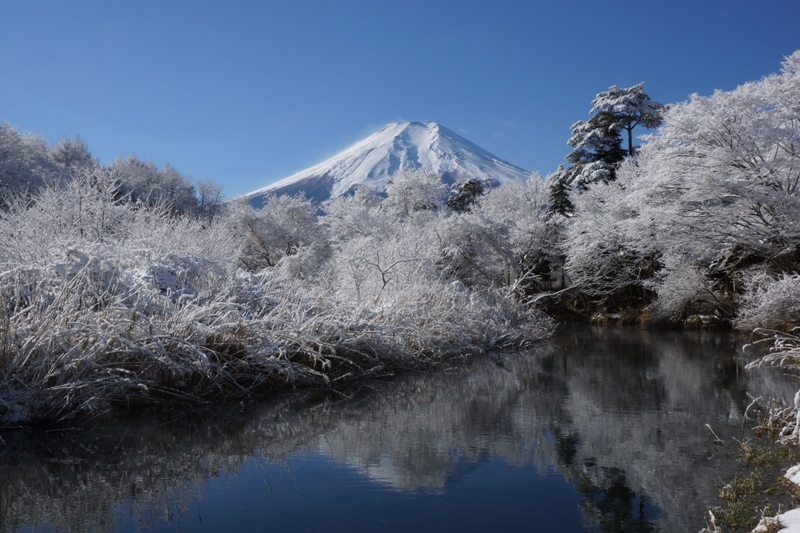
point(596, 430)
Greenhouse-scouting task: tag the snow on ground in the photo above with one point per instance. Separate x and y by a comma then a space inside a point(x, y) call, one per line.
point(790, 520)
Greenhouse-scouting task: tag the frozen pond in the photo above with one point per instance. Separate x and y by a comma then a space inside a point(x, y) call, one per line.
point(597, 430)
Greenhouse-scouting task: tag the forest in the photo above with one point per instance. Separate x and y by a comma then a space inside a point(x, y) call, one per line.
point(127, 284)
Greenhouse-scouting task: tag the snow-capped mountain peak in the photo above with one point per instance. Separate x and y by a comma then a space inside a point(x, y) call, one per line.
point(399, 146)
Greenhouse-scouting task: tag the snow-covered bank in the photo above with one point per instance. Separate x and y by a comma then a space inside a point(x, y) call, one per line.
point(783, 424)
point(105, 335)
point(112, 303)
point(786, 522)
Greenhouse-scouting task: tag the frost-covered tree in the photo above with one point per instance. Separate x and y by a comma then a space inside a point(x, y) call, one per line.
point(76, 213)
point(597, 143)
point(465, 192)
point(597, 139)
point(359, 214)
point(722, 174)
point(87, 212)
point(770, 302)
point(627, 108)
point(518, 213)
point(176, 190)
point(143, 181)
point(708, 200)
point(285, 226)
point(608, 259)
point(72, 156)
point(209, 198)
point(408, 192)
point(25, 164)
point(474, 249)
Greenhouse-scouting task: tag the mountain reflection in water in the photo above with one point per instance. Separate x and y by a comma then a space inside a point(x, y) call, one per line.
point(597, 430)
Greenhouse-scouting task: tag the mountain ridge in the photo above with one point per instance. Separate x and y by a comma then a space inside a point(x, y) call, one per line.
point(398, 146)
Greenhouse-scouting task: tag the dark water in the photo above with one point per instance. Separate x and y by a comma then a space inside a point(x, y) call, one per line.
point(598, 430)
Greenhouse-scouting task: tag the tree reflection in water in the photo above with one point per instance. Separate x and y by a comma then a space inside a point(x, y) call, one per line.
point(618, 414)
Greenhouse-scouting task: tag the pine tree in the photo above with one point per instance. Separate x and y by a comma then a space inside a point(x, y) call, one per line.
point(559, 189)
point(465, 192)
point(628, 108)
point(597, 142)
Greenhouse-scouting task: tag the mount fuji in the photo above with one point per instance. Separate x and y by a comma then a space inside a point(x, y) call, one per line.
point(397, 147)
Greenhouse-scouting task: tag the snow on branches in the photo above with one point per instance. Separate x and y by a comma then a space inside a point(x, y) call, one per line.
point(714, 190)
point(109, 300)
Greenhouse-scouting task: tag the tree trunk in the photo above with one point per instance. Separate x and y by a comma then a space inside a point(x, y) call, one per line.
point(630, 140)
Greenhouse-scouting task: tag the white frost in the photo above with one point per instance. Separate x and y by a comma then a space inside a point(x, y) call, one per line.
point(790, 520)
point(793, 474)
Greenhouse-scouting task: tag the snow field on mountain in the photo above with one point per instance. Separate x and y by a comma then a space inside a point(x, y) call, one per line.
point(398, 147)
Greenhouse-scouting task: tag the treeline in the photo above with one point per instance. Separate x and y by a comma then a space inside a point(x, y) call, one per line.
point(28, 163)
point(114, 296)
point(699, 226)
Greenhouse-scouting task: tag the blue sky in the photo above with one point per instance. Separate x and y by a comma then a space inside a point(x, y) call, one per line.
point(247, 92)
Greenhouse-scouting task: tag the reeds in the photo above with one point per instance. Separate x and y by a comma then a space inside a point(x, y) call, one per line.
point(85, 336)
point(107, 304)
point(784, 352)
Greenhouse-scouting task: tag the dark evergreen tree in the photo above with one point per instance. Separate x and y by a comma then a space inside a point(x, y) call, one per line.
point(559, 189)
point(596, 140)
point(465, 192)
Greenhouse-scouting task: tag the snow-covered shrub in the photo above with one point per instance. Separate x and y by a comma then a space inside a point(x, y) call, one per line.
point(514, 215)
point(86, 216)
point(284, 226)
point(84, 210)
point(379, 267)
point(475, 250)
point(105, 302)
point(784, 352)
point(355, 215)
point(408, 192)
point(682, 290)
point(610, 251)
point(769, 302)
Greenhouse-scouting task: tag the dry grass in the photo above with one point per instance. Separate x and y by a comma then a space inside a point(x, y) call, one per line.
point(80, 345)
